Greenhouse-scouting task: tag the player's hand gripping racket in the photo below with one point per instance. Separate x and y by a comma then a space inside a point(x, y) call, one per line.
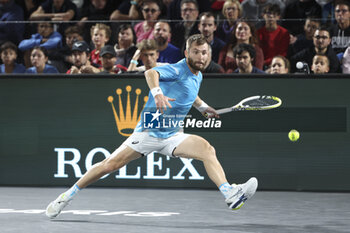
point(254, 103)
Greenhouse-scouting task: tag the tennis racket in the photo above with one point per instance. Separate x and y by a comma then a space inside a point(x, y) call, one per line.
point(254, 103)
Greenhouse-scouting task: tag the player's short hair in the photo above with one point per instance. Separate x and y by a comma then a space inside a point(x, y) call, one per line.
point(240, 48)
point(147, 45)
point(207, 14)
point(272, 8)
point(101, 26)
point(8, 45)
point(190, 1)
point(198, 39)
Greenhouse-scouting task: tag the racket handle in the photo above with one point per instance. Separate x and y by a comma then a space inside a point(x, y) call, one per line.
point(224, 110)
point(219, 112)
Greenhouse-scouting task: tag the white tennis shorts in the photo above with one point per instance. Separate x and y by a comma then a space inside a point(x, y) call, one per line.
point(145, 144)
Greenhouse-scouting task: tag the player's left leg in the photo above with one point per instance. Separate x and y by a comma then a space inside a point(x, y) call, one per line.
point(198, 148)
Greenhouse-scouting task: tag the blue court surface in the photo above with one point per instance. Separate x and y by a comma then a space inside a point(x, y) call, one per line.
point(172, 210)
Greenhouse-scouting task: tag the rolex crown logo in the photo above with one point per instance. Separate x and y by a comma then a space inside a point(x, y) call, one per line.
point(125, 121)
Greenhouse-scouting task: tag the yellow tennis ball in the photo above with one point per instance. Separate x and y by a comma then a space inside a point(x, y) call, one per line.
point(293, 135)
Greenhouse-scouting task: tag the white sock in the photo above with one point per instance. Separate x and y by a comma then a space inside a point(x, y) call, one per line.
point(70, 193)
point(225, 189)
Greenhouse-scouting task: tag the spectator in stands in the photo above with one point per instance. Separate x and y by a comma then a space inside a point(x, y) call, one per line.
point(148, 53)
point(100, 34)
point(95, 10)
point(39, 58)
point(10, 11)
point(244, 32)
point(207, 27)
point(81, 59)
point(346, 61)
point(244, 55)
point(8, 51)
point(108, 61)
point(72, 35)
point(167, 3)
point(274, 39)
point(127, 10)
point(189, 26)
point(232, 11)
point(211, 66)
point(341, 32)
point(279, 65)
point(46, 38)
point(304, 40)
point(62, 58)
point(125, 48)
point(98, 10)
point(322, 45)
point(150, 12)
point(253, 9)
point(174, 9)
point(320, 64)
point(29, 6)
point(327, 11)
point(56, 10)
point(79, 3)
point(168, 53)
point(297, 10)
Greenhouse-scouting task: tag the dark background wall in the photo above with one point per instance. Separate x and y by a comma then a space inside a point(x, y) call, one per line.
point(52, 129)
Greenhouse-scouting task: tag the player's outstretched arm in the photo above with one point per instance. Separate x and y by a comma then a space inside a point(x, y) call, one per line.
point(162, 101)
point(204, 108)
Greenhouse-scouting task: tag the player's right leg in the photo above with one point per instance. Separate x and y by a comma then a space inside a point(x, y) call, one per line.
point(120, 157)
point(196, 147)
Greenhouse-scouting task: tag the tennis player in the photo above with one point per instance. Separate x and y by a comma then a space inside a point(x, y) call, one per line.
point(174, 89)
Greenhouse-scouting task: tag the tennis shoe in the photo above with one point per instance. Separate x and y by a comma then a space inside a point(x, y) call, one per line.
point(56, 206)
point(241, 193)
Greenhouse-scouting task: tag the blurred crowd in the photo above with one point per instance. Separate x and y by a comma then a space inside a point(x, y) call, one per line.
point(113, 37)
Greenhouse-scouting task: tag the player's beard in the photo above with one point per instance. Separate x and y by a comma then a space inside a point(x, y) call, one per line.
point(194, 66)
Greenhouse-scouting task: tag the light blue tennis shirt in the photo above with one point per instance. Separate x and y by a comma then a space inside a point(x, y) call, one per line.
point(178, 82)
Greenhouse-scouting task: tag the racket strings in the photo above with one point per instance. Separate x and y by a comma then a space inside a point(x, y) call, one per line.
point(260, 102)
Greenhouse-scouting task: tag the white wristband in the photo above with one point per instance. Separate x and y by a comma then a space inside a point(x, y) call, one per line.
point(156, 91)
point(202, 107)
